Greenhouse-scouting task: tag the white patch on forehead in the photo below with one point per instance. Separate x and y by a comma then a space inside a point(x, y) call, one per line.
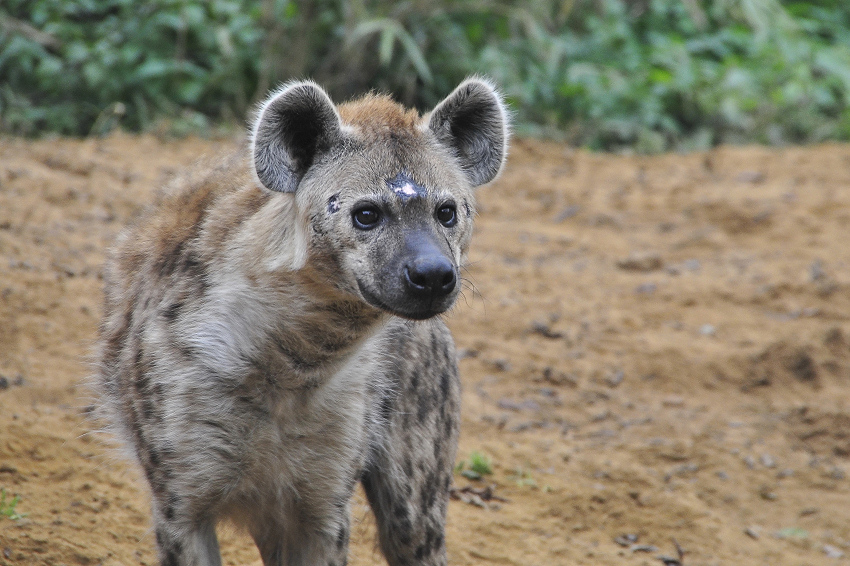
point(405, 187)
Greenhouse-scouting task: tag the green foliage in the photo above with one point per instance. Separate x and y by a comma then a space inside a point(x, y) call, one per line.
point(606, 74)
point(7, 508)
point(792, 532)
point(71, 65)
point(660, 74)
point(479, 465)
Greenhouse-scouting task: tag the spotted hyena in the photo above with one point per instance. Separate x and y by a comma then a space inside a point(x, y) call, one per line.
point(271, 333)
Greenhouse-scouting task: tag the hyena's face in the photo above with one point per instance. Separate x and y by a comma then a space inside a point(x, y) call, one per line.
point(386, 196)
point(397, 234)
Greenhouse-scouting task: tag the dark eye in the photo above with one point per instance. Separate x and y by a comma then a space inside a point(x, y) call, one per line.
point(366, 217)
point(447, 215)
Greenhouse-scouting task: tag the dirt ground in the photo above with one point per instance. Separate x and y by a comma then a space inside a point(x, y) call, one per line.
point(655, 353)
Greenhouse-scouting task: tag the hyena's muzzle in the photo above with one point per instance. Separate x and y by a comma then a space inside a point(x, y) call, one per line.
point(418, 281)
point(429, 275)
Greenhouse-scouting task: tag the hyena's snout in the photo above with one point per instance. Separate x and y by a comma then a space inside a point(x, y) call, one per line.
point(417, 282)
point(428, 274)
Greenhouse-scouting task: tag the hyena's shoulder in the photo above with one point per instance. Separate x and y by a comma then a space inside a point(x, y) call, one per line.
point(186, 224)
point(161, 265)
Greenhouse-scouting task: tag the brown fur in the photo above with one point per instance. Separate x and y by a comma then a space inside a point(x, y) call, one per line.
point(380, 116)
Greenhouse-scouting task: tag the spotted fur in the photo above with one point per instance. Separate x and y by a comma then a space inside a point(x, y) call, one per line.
point(261, 352)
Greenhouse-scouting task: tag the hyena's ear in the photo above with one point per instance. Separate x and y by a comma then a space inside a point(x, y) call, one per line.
point(294, 125)
point(473, 122)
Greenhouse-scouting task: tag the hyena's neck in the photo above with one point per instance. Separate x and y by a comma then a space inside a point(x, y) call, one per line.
point(284, 337)
point(314, 341)
point(309, 329)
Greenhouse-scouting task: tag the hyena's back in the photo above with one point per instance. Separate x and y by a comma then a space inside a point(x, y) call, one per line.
point(263, 351)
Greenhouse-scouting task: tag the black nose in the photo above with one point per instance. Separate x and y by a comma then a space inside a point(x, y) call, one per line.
point(430, 276)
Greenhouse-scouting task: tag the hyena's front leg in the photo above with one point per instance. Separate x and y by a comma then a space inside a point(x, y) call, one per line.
point(409, 475)
point(186, 545)
point(304, 543)
point(183, 518)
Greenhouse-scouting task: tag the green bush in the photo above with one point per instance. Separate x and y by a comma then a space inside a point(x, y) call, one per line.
point(662, 74)
point(606, 74)
point(79, 66)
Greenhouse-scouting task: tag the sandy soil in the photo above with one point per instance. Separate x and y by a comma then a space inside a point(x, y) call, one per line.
point(656, 352)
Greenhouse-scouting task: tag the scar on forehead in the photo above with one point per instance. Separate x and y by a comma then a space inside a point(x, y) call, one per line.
point(333, 204)
point(405, 187)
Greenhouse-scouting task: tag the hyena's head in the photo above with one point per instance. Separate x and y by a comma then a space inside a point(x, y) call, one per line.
point(384, 196)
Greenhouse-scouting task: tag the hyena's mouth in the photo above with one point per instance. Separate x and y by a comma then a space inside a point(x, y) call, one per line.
point(412, 308)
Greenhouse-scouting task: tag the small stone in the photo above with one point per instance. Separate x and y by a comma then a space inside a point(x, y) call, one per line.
point(527, 425)
point(684, 469)
point(767, 461)
point(601, 416)
point(707, 330)
point(567, 213)
point(750, 177)
point(641, 261)
point(464, 353)
point(545, 330)
point(834, 338)
point(767, 495)
point(832, 551)
point(514, 405)
point(626, 540)
point(643, 548)
point(615, 378)
point(471, 475)
point(753, 532)
point(802, 365)
point(673, 401)
point(646, 289)
point(558, 377)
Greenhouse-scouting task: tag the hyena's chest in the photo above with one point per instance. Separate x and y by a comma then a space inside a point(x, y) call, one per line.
point(327, 426)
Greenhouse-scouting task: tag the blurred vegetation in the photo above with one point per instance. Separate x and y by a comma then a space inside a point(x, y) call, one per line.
point(606, 74)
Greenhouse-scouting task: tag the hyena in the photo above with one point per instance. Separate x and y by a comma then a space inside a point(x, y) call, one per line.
point(272, 336)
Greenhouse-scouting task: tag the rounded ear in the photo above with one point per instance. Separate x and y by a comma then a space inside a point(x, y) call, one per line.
point(294, 125)
point(473, 122)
